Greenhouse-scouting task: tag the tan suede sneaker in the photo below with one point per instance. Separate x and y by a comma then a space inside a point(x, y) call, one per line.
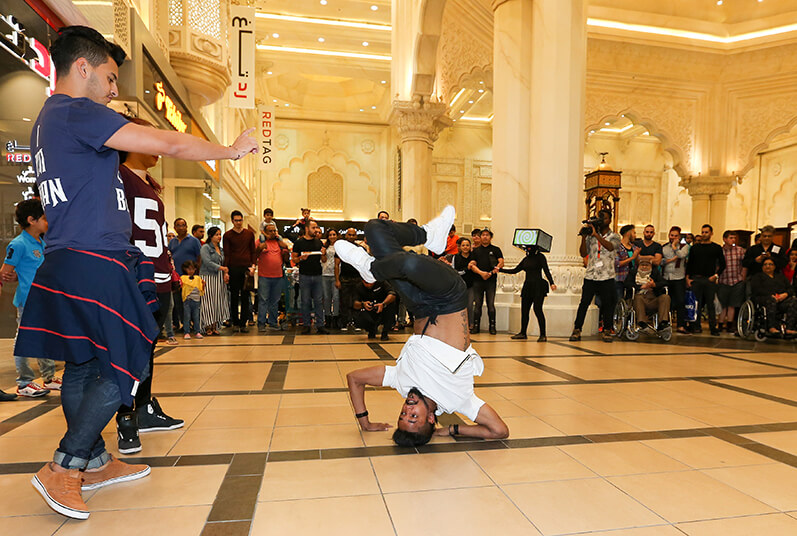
point(114, 472)
point(61, 491)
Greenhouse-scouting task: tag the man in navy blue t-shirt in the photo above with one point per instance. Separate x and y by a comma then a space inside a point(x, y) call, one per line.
point(90, 301)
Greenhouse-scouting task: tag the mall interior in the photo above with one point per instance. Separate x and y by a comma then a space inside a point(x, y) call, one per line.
point(522, 114)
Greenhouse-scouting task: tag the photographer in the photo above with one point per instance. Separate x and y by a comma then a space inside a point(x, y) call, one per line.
point(600, 245)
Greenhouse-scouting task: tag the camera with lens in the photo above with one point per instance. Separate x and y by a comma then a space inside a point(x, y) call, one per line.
point(589, 224)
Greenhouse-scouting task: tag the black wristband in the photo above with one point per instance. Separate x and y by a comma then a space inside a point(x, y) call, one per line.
point(456, 429)
point(361, 415)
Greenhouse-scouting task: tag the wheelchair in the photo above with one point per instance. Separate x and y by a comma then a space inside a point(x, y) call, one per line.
point(751, 323)
point(625, 324)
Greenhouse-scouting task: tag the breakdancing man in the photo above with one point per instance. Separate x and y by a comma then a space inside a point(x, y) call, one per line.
point(437, 364)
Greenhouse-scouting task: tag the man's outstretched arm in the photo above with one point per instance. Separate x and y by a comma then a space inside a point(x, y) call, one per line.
point(488, 426)
point(357, 381)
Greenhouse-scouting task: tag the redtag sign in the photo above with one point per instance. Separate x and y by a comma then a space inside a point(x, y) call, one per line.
point(265, 136)
point(27, 49)
point(242, 56)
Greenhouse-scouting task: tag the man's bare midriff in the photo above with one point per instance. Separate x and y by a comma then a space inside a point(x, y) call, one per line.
point(452, 329)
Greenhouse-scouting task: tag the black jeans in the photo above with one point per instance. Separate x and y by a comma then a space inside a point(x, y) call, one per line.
point(705, 292)
point(678, 296)
point(177, 310)
point(428, 287)
point(527, 299)
point(348, 291)
point(238, 296)
point(481, 288)
point(371, 320)
point(607, 292)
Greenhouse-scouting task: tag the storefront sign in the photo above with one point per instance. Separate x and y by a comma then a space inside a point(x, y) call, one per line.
point(27, 176)
point(242, 56)
point(265, 136)
point(170, 111)
point(27, 49)
point(17, 154)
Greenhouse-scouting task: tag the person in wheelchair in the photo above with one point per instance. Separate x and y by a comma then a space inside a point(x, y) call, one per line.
point(773, 292)
point(650, 296)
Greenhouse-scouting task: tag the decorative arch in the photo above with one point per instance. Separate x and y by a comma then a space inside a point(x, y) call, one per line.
point(679, 156)
point(425, 60)
point(325, 190)
point(750, 160)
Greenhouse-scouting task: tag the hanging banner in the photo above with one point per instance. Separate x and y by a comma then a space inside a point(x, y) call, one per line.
point(265, 136)
point(242, 56)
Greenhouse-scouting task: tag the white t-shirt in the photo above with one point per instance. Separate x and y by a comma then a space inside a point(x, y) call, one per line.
point(427, 363)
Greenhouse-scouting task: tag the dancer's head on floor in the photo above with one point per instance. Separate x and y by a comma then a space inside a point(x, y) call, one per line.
point(416, 421)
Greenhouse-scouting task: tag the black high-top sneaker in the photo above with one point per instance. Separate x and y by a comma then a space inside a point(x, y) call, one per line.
point(151, 418)
point(127, 430)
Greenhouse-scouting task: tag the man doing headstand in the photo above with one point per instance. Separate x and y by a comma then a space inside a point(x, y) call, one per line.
point(437, 364)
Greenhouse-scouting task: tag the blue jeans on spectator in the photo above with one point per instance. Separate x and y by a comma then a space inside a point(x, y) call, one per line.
point(312, 299)
point(331, 296)
point(25, 374)
point(90, 398)
point(269, 290)
point(191, 313)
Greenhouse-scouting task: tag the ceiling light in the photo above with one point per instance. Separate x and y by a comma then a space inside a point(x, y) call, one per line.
point(373, 107)
point(275, 48)
point(321, 39)
point(275, 100)
point(719, 2)
point(323, 2)
point(483, 119)
point(470, 102)
point(26, 119)
point(592, 132)
point(481, 91)
point(462, 111)
point(268, 72)
point(374, 8)
point(146, 91)
point(275, 35)
point(365, 43)
point(646, 133)
point(326, 22)
point(383, 82)
point(457, 96)
point(712, 38)
point(286, 104)
point(362, 110)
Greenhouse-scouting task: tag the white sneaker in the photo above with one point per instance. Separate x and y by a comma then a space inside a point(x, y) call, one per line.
point(437, 230)
point(53, 385)
point(357, 257)
point(32, 390)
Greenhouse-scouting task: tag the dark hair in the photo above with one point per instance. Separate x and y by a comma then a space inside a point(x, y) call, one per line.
point(453, 228)
point(605, 210)
point(476, 232)
point(412, 220)
point(212, 232)
point(405, 438)
point(195, 227)
point(235, 213)
point(124, 154)
point(707, 226)
point(649, 225)
point(486, 230)
point(189, 264)
point(179, 219)
point(382, 212)
point(464, 239)
point(331, 230)
point(728, 233)
point(268, 211)
point(675, 228)
point(625, 228)
point(75, 42)
point(28, 208)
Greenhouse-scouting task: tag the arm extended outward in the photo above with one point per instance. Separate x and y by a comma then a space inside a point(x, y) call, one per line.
point(489, 425)
point(133, 138)
point(357, 381)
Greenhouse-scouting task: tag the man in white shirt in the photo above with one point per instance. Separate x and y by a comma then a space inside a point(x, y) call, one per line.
point(437, 364)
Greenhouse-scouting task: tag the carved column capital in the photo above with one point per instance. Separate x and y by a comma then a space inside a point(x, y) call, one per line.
point(418, 120)
point(708, 186)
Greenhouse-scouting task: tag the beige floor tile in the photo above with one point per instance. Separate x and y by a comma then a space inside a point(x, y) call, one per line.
point(174, 405)
point(182, 378)
point(785, 441)
point(315, 416)
point(353, 351)
point(213, 441)
point(616, 402)
point(236, 402)
point(772, 484)
point(528, 427)
point(724, 416)
point(526, 392)
point(24, 449)
point(588, 423)
point(20, 498)
point(238, 377)
point(662, 419)
point(570, 506)
point(553, 406)
point(772, 411)
point(364, 515)
point(181, 521)
point(689, 496)
point(505, 409)
point(44, 524)
point(316, 437)
point(428, 471)
point(152, 444)
point(318, 478)
point(304, 400)
point(239, 418)
point(609, 459)
point(782, 387)
point(769, 525)
point(706, 452)
point(312, 376)
point(515, 348)
point(484, 507)
point(514, 466)
point(164, 487)
point(660, 530)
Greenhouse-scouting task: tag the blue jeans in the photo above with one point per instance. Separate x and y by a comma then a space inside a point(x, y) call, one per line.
point(25, 374)
point(89, 399)
point(191, 313)
point(269, 290)
point(331, 296)
point(312, 298)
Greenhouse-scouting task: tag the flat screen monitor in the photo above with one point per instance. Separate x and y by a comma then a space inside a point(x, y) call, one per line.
point(532, 237)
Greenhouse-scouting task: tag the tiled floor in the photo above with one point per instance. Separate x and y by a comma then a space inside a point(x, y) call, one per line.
point(697, 437)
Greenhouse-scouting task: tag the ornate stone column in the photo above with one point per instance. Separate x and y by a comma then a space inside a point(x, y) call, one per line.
point(198, 47)
point(419, 122)
point(709, 200)
point(539, 81)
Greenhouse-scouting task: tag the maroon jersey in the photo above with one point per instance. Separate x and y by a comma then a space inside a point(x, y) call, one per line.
point(149, 225)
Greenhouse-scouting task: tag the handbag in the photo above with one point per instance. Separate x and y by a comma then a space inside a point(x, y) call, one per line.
point(175, 281)
point(691, 306)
